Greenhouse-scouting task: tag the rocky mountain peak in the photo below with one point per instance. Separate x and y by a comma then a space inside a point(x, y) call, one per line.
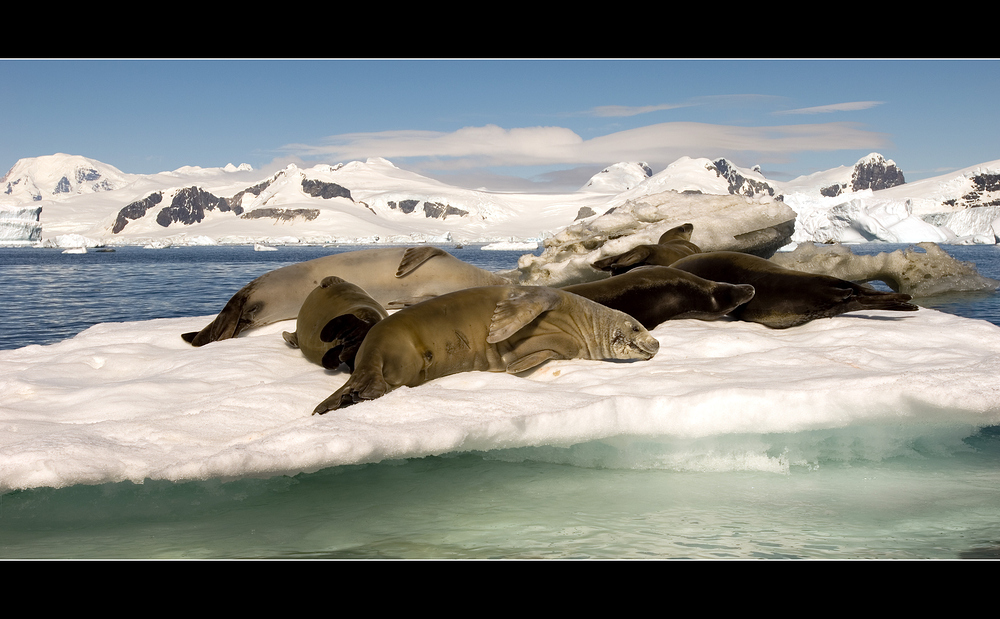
point(876, 172)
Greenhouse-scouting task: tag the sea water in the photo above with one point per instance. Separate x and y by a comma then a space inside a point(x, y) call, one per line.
point(581, 501)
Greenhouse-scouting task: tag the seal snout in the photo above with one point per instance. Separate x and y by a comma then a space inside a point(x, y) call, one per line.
point(648, 345)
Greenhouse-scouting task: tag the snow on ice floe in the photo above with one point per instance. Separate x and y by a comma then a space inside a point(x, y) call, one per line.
point(133, 401)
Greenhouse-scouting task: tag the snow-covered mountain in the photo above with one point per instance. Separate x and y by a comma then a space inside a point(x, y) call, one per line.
point(374, 201)
point(873, 172)
point(59, 176)
point(871, 202)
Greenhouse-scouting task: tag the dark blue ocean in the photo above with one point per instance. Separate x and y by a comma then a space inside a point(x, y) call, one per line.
point(512, 505)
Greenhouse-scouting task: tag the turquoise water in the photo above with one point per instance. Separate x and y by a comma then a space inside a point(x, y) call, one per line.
point(939, 498)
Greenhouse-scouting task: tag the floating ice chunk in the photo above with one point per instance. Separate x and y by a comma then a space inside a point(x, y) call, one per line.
point(918, 273)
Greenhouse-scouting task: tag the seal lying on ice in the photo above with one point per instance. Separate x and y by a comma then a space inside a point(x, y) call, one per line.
point(333, 321)
point(673, 245)
point(785, 298)
point(655, 294)
point(494, 328)
point(393, 276)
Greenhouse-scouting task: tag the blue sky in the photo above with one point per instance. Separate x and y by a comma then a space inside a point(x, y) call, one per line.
point(517, 124)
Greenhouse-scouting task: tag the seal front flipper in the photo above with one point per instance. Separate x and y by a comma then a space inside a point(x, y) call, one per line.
point(367, 384)
point(291, 338)
point(535, 359)
point(407, 302)
point(413, 257)
point(346, 332)
point(521, 306)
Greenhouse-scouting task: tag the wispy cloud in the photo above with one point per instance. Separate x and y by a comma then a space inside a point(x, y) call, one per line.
point(491, 145)
point(851, 106)
point(618, 111)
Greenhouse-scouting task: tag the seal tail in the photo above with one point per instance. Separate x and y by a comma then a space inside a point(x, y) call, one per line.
point(365, 384)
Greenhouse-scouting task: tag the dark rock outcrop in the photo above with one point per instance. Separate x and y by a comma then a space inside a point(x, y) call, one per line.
point(986, 193)
point(833, 190)
point(235, 202)
point(739, 184)
point(321, 189)
point(406, 206)
point(87, 174)
point(434, 210)
point(135, 210)
point(442, 211)
point(282, 214)
point(189, 206)
point(875, 172)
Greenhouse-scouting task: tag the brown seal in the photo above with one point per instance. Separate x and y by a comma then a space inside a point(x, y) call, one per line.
point(673, 245)
point(655, 294)
point(393, 276)
point(786, 298)
point(333, 321)
point(496, 329)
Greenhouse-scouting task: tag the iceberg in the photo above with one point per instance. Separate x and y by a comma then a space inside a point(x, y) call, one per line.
point(133, 401)
point(20, 225)
point(921, 271)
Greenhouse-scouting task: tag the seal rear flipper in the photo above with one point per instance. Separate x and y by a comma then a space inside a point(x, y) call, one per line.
point(291, 338)
point(878, 300)
point(521, 306)
point(413, 257)
point(535, 359)
point(619, 262)
point(234, 318)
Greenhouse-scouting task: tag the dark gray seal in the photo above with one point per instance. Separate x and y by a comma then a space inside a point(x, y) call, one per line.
point(785, 298)
point(673, 245)
point(393, 276)
point(333, 321)
point(655, 294)
point(496, 329)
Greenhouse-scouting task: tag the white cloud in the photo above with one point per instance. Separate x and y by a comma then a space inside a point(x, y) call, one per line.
point(835, 107)
point(491, 145)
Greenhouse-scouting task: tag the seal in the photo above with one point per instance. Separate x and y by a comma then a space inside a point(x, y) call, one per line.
point(673, 245)
point(495, 329)
point(333, 321)
point(786, 298)
point(393, 276)
point(655, 294)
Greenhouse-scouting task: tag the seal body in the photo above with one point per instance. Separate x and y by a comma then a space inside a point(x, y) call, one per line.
point(496, 329)
point(333, 321)
point(786, 298)
point(673, 245)
point(655, 294)
point(393, 276)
